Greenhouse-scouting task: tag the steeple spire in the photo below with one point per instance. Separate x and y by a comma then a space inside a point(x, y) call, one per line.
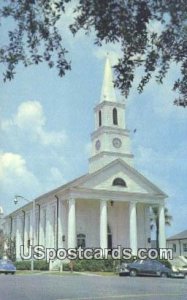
point(108, 92)
point(110, 139)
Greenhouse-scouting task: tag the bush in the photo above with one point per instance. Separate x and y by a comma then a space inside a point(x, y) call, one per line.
point(66, 267)
point(23, 265)
point(41, 265)
point(92, 265)
point(166, 263)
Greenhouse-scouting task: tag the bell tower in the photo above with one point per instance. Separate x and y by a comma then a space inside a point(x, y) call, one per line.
point(110, 140)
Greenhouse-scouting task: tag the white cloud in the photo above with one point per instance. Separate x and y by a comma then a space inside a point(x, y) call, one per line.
point(31, 120)
point(14, 173)
point(30, 115)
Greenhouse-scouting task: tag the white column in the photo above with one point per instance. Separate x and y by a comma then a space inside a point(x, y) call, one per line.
point(23, 231)
point(60, 229)
point(133, 227)
point(18, 236)
point(27, 231)
point(43, 222)
point(71, 224)
point(162, 237)
point(147, 226)
point(48, 226)
point(33, 221)
point(103, 224)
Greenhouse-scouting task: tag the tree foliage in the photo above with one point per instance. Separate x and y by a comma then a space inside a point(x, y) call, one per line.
point(11, 247)
point(155, 221)
point(2, 239)
point(36, 37)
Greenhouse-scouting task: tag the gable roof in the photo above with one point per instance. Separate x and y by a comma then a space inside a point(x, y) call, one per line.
point(179, 236)
point(139, 177)
point(88, 176)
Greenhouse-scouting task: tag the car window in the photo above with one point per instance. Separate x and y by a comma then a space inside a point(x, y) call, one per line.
point(158, 264)
point(141, 262)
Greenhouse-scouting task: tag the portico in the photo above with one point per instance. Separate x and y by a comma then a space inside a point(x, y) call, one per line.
point(126, 214)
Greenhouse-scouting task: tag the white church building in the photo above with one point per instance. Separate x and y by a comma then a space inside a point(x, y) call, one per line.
point(107, 207)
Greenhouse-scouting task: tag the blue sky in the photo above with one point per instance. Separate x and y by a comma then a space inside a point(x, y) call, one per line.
point(46, 122)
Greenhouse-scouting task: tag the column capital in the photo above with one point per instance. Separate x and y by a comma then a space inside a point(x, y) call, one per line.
point(133, 202)
point(104, 200)
point(71, 200)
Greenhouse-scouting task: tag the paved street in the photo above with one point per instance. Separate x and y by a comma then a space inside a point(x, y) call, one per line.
point(74, 287)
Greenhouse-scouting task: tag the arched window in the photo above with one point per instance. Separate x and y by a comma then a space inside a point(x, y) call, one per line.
point(100, 118)
point(115, 116)
point(81, 240)
point(119, 182)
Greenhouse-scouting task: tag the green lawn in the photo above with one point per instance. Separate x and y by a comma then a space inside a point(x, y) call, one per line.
point(64, 273)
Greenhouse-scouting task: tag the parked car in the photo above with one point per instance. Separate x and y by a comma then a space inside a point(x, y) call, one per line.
point(7, 267)
point(123, 269)
point(182, 269)
point(148, 267)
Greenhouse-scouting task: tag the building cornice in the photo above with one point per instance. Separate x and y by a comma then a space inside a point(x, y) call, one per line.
point(114, 154)
point(108, 103)
point(110, 129)
point(109, 195)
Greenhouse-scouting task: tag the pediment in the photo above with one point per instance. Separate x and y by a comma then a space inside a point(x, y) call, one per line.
point(135, 181)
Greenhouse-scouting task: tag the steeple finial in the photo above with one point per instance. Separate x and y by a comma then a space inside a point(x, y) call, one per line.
point(108, 92)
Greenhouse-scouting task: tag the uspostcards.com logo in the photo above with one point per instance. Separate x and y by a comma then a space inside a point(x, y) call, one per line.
point(40, 252)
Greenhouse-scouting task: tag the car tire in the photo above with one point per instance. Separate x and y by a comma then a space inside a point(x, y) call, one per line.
point(133, 273)
point(164, 275)
point(12, 273)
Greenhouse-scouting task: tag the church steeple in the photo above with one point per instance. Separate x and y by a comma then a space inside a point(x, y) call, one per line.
point(110, 140)
point(108, 92)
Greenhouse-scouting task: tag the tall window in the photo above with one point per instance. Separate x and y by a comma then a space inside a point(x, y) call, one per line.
point(100, 118)
point(81, 240)
point(174, 248)
point(115, 117)
point(185, 247)
point(119, 182)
